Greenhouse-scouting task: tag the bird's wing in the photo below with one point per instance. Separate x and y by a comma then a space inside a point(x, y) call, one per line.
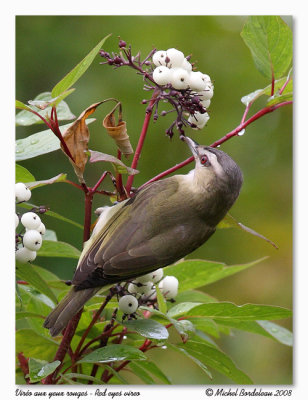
point(133, 241)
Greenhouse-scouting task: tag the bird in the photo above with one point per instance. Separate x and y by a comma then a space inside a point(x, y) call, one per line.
point(160, 224)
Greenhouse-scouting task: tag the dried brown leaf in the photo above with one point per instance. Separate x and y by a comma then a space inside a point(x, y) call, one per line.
point(76, 138)
point(118, 131)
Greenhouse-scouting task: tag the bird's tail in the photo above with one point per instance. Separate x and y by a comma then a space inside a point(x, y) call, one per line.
point(67, 308)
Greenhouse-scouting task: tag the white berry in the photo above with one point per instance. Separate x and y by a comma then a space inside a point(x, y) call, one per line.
point(41, 229)
point(157, 275)
point(16, 220)
point(30, 220)
point(133, 288)
point(162, 75)
point(199, 120)
point(179, 78)
point(159, 58)
point(25, 255)
point(32, 240)
point(144, 278)
point(22, 193)
point(176, 58)
point(207, 93)
point(206, 103)
point(146, 288)
point(196, 82)
point(186, 65)
point(128, 304)
point(169, 287)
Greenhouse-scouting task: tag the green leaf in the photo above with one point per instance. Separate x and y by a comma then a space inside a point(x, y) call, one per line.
point(153, 369)
point(251, 97)
point(247, 312)
point(181, 309)
point(39, 369)
point(51, 248)
point(162, 306)
point(42, 105)
point(118, 165)
point(53, 214)
point(76, 73)
point(71, 376)
point(147, 328)
point(270, 41)
point(113, 352)
point(194, 296)
point(40, 143)
point(192, 357)
point(50, 235)
point(277, 99)
point(230, 222)
point(205, 325)
point(216, 359)
point(141, 373)
point(56, 179)
point(31, 344)
point(264, 328)
point(196, 273)
point(26, 314)
point(28, 273)
point(22, 174)
point(20, 105)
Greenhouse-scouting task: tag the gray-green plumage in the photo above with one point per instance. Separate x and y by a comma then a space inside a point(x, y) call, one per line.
point(162, 223)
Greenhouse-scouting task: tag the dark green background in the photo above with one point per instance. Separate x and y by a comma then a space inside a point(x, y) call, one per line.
point(47, 47)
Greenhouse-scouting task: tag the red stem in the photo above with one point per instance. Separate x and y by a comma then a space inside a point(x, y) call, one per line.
point(143, 133)
point(64, 346)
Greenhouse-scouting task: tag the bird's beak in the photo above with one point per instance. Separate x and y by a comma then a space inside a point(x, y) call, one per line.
point(192, 145)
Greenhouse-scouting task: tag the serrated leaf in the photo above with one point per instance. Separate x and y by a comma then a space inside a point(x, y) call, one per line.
point(39, 369)
point(118, 165)
point(42, 105)
point(270, 41)
point(147, 328)
point(51, 248)
point(28, 273)
point(230, 222)
point(56, 179)
point(22, 174)
point(113, 352)
point(40, 143)
point(76, 73)
point(31, 344)
point(197, 273)
point(247, 312)
point(216, 359)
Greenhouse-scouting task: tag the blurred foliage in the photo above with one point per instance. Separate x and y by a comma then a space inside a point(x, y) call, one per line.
point(47, 47)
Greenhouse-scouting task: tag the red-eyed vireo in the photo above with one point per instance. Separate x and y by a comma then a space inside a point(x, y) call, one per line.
point(160, 224)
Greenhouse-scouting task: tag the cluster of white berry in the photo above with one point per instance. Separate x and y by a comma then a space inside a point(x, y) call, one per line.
point(29, 243)
point(173, 68)
point(144, 287)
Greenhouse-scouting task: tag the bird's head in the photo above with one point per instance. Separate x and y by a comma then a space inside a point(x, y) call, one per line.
point(215, 170)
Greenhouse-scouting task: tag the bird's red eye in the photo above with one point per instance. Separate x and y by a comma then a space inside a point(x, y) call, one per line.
point(203, 160)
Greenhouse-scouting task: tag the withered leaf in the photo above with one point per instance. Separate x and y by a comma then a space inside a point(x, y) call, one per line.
point(118, 165)
point(76, 138)
point(118, 130)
